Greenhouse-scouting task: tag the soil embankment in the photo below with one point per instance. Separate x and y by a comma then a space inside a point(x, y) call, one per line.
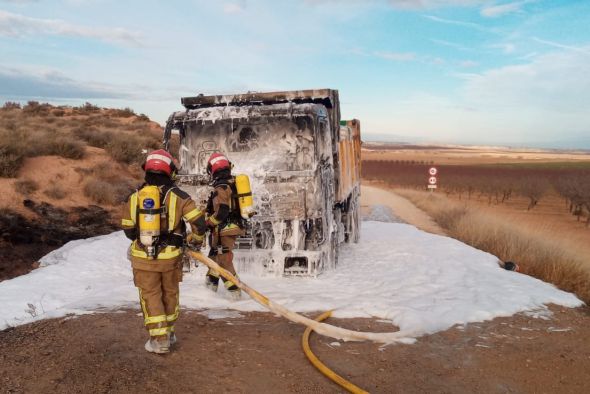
point(24, 241)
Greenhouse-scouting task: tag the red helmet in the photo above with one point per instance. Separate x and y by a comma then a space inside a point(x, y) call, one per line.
point(159, 161)
point(216, 162)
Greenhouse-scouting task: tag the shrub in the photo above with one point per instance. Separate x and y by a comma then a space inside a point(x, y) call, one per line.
point(64, 147)
point(87, 107)
point(10, 163)
point(128, 149)
point(103, 192)
point(13, 150)
point(124, 113)
point(55, 191)
point(143, 118)
point(124, 151)
point(58, 112)
point(93, 136)
point(33, 107)
point(11, 105)
point(26, 186)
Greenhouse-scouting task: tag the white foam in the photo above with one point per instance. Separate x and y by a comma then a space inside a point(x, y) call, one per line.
point(418, 281)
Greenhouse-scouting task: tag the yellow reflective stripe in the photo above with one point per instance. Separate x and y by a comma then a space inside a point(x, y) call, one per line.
point(171, 328)
point(174, 316)
point(214, 220)
point(228, 284)
point(154, 319)
point(212, 273)
point(198, 237)
point(172, 212)
point(159, 331)
point(142, 302)
point(192, 214)
point(127, 223)
point(133, 207)
point(168, 253)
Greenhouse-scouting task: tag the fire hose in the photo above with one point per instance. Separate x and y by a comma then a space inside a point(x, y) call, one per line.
point(320, 366)
point(317, 326)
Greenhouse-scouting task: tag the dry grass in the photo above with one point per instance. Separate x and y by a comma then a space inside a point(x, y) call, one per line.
point(26, 186)
point(55, 191)
point(104, 185)
point(538, 251)
point(41, 129)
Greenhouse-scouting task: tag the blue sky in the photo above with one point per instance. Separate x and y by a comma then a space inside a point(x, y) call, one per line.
point(456, 71)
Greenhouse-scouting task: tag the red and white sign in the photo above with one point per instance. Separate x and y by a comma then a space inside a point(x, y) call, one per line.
point(432, 180)
point(432, 171)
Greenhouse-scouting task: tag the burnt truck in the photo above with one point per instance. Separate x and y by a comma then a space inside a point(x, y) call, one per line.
point(304, 169)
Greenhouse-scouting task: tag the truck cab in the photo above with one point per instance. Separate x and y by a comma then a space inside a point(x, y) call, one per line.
point(290, 145)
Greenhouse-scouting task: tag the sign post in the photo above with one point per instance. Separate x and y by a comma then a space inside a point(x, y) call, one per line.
point(432, 178)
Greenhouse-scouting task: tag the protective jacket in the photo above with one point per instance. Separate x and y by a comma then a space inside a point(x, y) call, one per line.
point(223, 211)
point(178, 206)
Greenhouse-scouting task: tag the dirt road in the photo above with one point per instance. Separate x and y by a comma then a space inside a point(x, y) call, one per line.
point(374, 195)
point(260, 353)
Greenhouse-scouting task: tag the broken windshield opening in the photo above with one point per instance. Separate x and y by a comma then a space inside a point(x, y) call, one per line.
point(261, 143)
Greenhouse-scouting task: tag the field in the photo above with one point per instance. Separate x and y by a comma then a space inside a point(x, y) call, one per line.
point(531, 207)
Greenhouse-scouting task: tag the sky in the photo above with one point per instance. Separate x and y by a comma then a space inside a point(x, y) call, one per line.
point(484, 72)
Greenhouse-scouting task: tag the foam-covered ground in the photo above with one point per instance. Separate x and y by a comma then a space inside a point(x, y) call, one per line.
point(421, 282)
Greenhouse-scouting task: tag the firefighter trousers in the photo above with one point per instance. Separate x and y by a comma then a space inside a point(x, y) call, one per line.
point(159, 297)
point(225, 259)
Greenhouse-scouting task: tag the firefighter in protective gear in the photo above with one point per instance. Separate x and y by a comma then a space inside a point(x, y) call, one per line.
point(223, 220)
point(157, 268)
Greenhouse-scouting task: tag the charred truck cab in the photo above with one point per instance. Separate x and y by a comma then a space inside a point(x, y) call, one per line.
point(304, 169)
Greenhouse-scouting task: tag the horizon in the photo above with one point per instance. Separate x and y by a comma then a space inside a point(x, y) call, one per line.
point(466, 72)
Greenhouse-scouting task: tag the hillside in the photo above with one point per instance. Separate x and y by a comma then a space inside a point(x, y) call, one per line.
point(64, 172)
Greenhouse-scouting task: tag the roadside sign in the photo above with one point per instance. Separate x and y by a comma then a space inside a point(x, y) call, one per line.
point(432, 180)
point(432, 171)
point(432, 186)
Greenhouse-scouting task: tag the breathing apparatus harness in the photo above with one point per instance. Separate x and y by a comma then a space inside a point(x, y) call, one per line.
point(151, 211)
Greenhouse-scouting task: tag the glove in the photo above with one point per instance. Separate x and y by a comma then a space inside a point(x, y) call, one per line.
point(194, 241)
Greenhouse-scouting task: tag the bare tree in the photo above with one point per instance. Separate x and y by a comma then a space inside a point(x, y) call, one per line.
point(533, 188)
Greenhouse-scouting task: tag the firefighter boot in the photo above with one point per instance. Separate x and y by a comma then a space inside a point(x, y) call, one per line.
point(158, 345)
point(234, 291)
point(212, 280)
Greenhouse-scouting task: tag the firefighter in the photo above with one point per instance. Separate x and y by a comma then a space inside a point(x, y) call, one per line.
point(223, 220)
point(154, 219)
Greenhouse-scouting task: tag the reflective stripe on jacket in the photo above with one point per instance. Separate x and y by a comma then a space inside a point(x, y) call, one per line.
point(179, 206)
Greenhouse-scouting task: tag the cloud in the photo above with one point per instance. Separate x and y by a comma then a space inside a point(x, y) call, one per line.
point(396, 56)
point(506, 47)
point(25, 84)
point(233, 8)
point(428, 4)
point(563, 46)
point(495, 11)
point(405, 4)
point(15, 25)
point(556, 82)
point(470, 25)
point(450, 44)
point(468, 64)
